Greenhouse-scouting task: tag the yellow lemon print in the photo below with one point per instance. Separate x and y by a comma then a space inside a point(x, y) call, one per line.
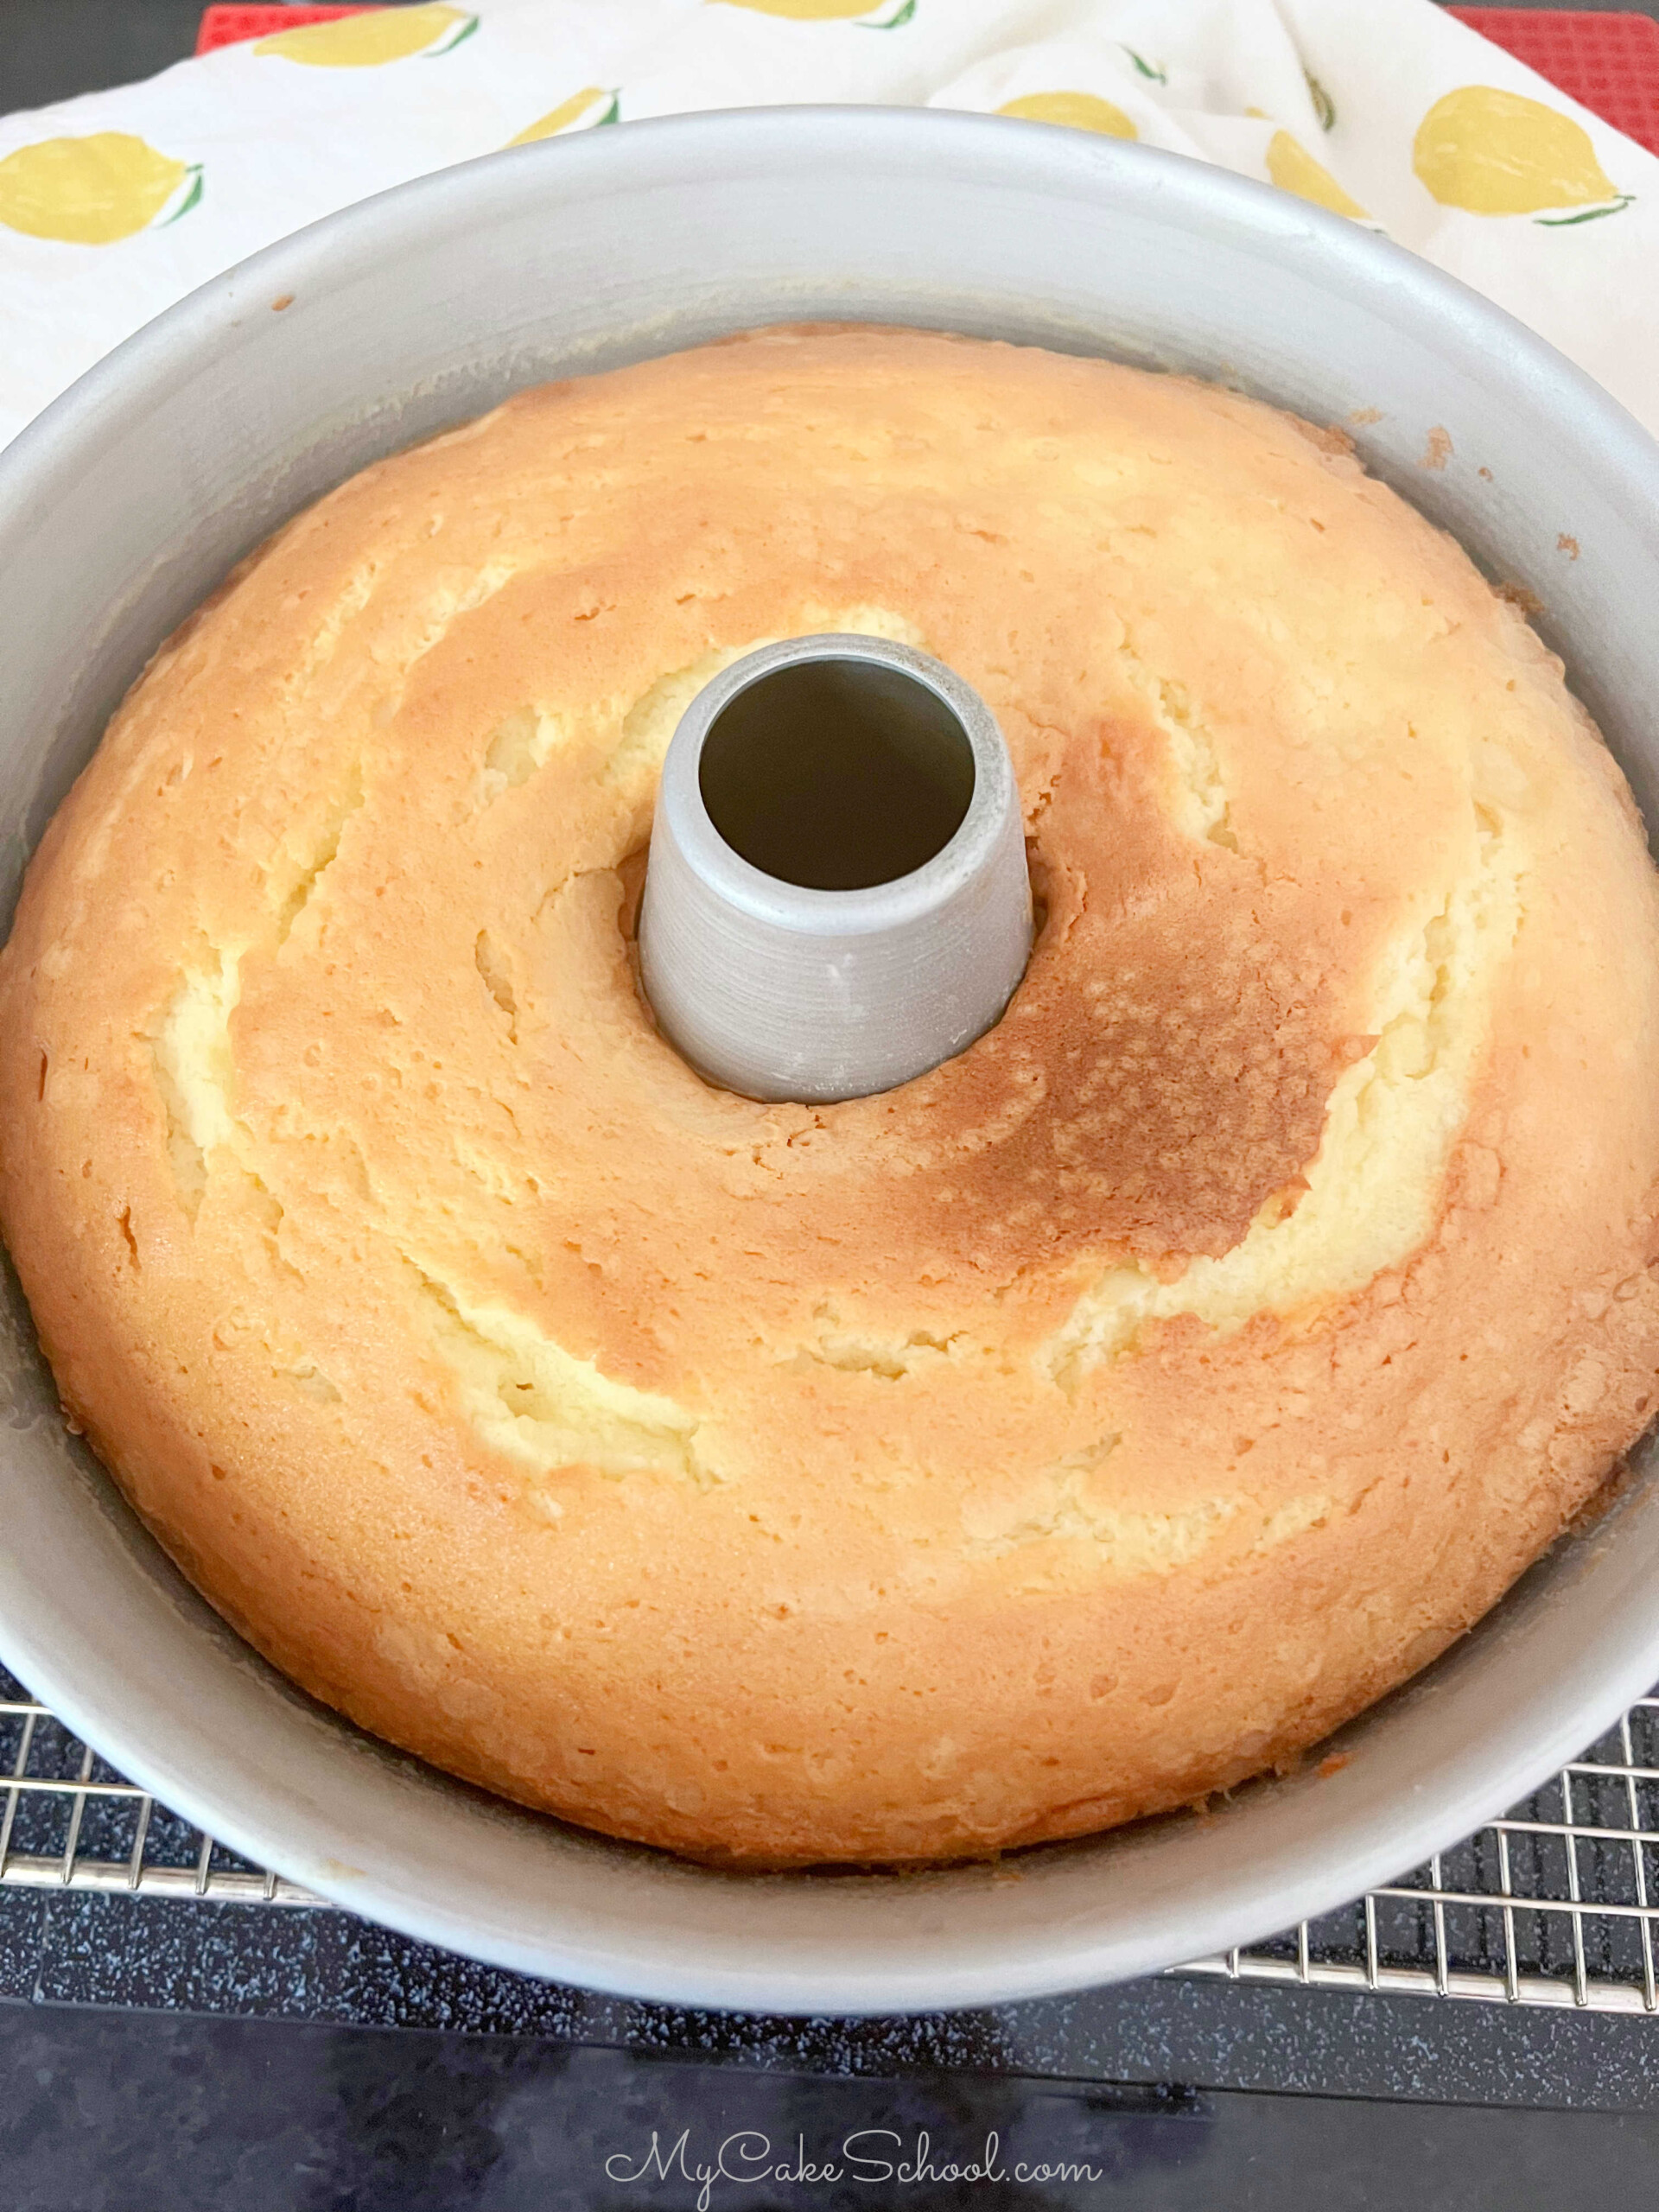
point(580, 107)
point(822, 12)
point(1494, 153)
point(363, 42)
point(1292, 168)
point(93, 191)
point(1077, 111)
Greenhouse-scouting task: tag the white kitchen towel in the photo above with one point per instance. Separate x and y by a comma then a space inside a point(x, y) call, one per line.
point(1394, 114)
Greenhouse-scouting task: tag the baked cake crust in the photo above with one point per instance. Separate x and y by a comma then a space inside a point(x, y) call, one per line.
point(1078, 1429)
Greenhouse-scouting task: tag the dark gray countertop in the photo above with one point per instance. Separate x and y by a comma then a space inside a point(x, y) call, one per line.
point(326, 1967)
point(107, 2113)
point(162, 2053)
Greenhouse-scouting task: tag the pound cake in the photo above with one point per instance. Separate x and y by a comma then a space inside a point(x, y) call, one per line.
point(1083, 1428)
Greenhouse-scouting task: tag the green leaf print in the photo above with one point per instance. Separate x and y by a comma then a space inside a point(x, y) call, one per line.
point(1589, 215)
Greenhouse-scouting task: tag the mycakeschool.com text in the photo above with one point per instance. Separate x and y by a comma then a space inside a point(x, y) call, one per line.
point(879, 2156)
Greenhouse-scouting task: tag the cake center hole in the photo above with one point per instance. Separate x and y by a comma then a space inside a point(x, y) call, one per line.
point(836, 774)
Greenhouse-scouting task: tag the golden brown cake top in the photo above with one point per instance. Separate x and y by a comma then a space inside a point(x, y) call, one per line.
point(729, 1473)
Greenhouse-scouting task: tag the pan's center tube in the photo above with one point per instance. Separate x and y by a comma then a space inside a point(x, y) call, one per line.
point(836, 774)
point(835, 896)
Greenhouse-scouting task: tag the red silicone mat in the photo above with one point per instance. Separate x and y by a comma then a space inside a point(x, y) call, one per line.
point(229, 26)
point(1609, 63)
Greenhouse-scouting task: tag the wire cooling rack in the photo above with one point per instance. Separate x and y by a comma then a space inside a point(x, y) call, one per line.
point(1557, 1903)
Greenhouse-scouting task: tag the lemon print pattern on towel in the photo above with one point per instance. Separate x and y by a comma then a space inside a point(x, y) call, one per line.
point(826, 11)
point(591, 106)
point(363, 42)
point(1077, 110)
point(94, 191)
point(1495, 153)
point(1292, 168)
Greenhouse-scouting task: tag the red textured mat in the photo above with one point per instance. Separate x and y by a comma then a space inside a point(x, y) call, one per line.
point(229, 26)
point(1609, 64)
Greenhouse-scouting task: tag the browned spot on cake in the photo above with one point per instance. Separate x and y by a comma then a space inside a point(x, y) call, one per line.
point(1518, 595)
point(1131, 1099)
point(1328, 437)
point(1438, 451)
